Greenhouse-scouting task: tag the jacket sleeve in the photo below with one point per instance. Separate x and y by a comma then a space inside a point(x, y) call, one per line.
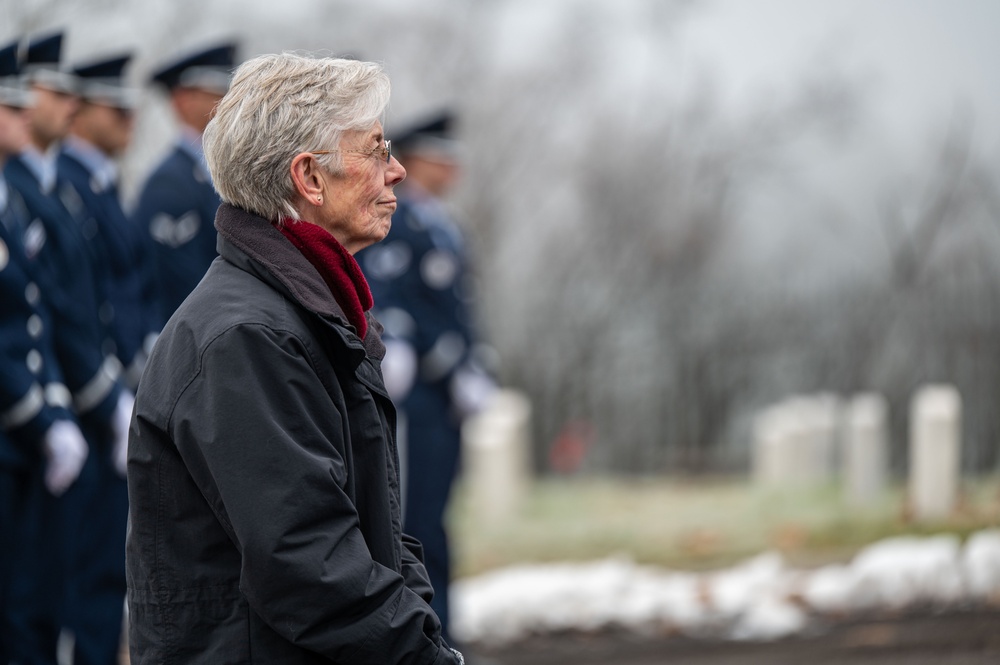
point(414, 573)
point(23, 406)
point(65, 273)
point(266, 445)
point(24, 411)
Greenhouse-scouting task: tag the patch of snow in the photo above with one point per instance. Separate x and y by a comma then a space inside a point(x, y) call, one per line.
point(760, 599)
point(981, 565)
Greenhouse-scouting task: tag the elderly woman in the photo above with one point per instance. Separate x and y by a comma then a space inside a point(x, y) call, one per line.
point(262, 469)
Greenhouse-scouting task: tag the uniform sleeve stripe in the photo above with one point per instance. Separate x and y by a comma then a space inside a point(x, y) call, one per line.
point(443, 357)
point(24, 409)
point(97, 389)
point(56, 394)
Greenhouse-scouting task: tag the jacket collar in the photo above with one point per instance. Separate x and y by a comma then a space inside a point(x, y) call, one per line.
point(189, 143)
point(100, 167)
point(263, 243)
point(41, 166)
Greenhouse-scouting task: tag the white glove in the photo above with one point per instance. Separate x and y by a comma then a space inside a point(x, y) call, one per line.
point(120, 421)
point(399, 369)
point(66, 450)
point(471, 390)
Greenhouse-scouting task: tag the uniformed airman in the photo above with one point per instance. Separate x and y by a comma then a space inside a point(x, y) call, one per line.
point(42, 450)
point(70, 278)
point(419, 279)
point(177, 204)
point(100, 132)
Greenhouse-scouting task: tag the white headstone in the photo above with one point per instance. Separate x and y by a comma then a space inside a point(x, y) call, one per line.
point(822, 418)
point(935, 451)
point(768, 453)
point(865, 451)
point(794, 442)
point(495, 445)
point(800, 445)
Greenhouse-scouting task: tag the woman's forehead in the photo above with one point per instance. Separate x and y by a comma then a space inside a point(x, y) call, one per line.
point(373, 132)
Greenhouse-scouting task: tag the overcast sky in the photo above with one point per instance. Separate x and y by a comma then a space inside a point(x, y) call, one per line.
point(920, 56)
point(917, 62)
point(920, 64)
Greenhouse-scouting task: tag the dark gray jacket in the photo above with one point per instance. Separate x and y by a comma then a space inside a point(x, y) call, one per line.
point(263, 478)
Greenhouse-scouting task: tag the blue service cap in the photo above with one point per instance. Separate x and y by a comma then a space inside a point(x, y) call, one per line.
point(103, 82)
point(433, 135)
point(209, 69)
point(40, 64)
point(12, 90)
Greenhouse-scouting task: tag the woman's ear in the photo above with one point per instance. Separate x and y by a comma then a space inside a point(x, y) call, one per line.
point(307, 176)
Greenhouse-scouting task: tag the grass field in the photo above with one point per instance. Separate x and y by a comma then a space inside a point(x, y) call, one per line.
point(694, 524)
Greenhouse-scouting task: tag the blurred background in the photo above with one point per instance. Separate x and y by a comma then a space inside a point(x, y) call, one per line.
point(682, 210)
point(682, 213)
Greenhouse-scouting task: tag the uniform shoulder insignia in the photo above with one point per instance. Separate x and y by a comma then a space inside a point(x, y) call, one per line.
point(439, 268)
point(388, 261)
point(71, 199)
point(413, 222)
point(199, 174)
point(34, 238)
point(174, 232)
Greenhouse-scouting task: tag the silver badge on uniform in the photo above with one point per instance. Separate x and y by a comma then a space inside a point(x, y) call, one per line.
point(34, 238)
point(72, 200)
point(4, 255)
point(439, 269)
point(175, 232)
point(388, 261)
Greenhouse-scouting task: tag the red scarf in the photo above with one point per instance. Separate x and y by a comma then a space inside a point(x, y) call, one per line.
point(338, 268)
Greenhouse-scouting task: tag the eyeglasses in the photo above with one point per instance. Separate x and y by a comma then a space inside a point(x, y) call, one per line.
point(383, 151)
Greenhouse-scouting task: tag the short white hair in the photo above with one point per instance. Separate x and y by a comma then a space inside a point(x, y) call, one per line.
point(278, 106)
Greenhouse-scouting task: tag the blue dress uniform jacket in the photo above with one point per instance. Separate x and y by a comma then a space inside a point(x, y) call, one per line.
point(418, 279)
point(131, 291)
point(32, 394)
point(67, 275)
point(32, 398)
point(177, 209)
